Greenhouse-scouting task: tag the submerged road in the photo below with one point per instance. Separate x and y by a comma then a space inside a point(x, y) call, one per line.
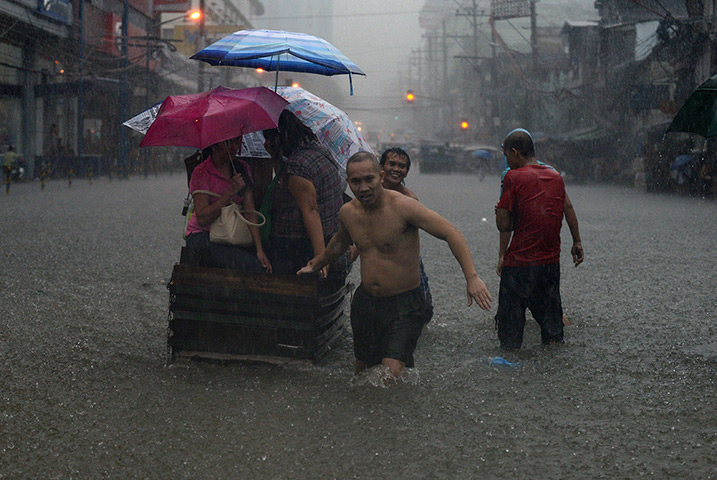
point(84, 392)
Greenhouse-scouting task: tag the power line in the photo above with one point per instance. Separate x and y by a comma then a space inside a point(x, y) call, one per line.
point(652, 10)
point(344, 15)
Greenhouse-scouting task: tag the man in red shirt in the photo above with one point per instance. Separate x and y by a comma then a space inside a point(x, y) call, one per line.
point(531, 205)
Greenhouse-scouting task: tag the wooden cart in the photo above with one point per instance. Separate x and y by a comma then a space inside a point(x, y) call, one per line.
point(229, 315)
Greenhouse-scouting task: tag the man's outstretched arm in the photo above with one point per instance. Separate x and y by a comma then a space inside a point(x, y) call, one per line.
point(439, 227)
point(338, 245)
point(572, 220)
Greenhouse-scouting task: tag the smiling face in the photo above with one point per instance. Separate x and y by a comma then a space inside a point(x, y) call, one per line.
point(395, 170)
point(365, 181)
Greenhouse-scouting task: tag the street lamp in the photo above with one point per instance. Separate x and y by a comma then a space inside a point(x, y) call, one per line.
point(200, 67)
point(193, 15)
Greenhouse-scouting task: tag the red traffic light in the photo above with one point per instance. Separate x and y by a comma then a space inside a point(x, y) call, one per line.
point(410, 97)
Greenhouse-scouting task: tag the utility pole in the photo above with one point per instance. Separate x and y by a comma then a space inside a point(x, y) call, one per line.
point(445, 90)
point(124, 93)
point(534, 36)
point(475, 29)
point(420, 69)
point(410, 69)
point(532, 100)
point(494, 104)
point(200, 40)
point(81, 87)
point(146, 89)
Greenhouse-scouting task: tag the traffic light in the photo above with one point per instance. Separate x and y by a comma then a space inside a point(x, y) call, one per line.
point(465, 124)
point(410, 97)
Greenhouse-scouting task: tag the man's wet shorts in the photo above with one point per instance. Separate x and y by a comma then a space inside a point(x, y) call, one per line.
point(537, 289)
point(387, 327)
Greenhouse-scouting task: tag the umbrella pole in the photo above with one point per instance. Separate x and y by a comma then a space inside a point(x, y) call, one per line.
point(276, 81)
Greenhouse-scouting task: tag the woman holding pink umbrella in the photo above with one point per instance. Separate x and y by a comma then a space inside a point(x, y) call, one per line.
point(221, 174)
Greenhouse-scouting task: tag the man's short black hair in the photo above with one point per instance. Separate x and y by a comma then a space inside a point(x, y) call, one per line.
point(400, 153)
point(522, 142)
point(362, 157)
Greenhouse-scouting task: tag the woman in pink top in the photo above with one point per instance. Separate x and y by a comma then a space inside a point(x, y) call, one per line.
point(217, 174)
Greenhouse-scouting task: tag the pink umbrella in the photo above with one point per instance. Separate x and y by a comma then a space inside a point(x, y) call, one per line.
point(203, 119)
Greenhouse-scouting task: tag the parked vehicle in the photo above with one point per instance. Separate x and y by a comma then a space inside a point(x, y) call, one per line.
point(436, 158)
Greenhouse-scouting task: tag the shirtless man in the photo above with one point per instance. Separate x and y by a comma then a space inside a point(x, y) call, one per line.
point(388, 308)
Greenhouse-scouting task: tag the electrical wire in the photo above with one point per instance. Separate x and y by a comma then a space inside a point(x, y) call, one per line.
point(652, 10)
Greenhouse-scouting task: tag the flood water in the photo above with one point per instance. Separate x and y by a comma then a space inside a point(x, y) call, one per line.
point(84, 392)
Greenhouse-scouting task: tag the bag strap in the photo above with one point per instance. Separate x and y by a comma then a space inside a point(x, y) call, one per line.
point(270, 189)
point(259, 214)
point(206, 192)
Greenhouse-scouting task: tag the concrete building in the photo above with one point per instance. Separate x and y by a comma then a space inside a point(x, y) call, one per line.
point(71, 73)
point(32, 57)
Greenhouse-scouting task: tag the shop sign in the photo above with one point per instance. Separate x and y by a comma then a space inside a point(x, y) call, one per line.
point(172, 6)
point(60, 10)
point(505, 9)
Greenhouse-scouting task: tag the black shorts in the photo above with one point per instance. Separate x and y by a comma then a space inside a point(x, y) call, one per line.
point(536, 288)
point(387, 327)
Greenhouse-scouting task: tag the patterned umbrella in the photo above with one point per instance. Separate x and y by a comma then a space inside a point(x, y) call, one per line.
point(332, 126)
point(276, 50)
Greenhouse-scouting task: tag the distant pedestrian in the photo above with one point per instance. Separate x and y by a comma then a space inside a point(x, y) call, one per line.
point(8, 162)
point(532, 205)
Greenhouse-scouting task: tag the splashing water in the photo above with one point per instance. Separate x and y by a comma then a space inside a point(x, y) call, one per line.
point(380, 376)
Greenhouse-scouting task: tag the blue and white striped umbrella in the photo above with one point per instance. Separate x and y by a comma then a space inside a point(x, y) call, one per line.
point(276, 50)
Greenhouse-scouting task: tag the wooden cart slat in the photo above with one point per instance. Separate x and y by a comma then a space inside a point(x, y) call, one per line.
point(223, 306)
point(292, 285)
point(244, 320)
point(248, 296)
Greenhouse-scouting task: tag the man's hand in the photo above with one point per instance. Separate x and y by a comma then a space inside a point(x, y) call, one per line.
point(308, 268)
point(479, 292)
point(499, 268)
point(311, 268)
point(578, 254)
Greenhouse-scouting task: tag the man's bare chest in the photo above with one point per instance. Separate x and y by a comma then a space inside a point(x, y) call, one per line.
point(385, 235)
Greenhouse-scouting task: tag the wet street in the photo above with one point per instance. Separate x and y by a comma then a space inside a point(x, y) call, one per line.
point(84, 391)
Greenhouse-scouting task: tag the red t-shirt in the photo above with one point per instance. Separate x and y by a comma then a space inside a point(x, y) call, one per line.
point(535, 194)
